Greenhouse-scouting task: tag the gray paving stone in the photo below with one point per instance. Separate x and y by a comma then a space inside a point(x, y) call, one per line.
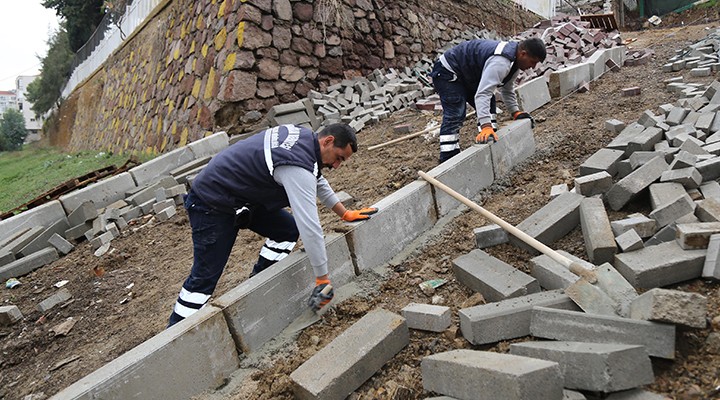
point(59, 297)
point(630, 186)
point(551, 222)
point(28, 264)
point(590, 185)
point(708, 210)
point(660, 265)
point(602, 160)
point(481, 375)
point(597, 367)
point(711, 268)
point(614, 125)
point(548, 323)
point(689, 177)
point(644, 226)
point(42, 215)
point(644, 141)
point(621, 141)
point(670, 306)
point(490, 235)
point(553, 275)
point(667, 233)
point(599, 239)
point(683, 159)
point(86, 211)
point(491, 277)
point(507, 319)
point(557, 190)
point(21, 241)
point(351, 358)
point(100, 193)
point(10, 315)
point(41, 240)
point(151, 171)
point(77, 232)
point(663, 193)
point(709, 169)
point(62, 245)
point(629, 241)
point(427, 317)
point(639, 158)
point(565, 80)
point(670, 212)
point(696, 235)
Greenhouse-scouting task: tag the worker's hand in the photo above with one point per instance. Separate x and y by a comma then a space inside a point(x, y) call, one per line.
point(321, 294)
point(359, 215)
point(523, 115)
point(486, 133)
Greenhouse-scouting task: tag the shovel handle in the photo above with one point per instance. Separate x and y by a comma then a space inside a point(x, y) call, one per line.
point(573, 266)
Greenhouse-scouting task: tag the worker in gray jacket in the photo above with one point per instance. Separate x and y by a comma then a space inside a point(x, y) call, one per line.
point(469, 73)
point(247, 186)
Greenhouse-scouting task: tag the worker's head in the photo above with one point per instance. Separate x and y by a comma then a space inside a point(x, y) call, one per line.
point(337, 144)
point(529, 53)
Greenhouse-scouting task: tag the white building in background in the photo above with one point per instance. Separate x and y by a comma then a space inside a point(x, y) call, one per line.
point(8, 99)
point(32, 124)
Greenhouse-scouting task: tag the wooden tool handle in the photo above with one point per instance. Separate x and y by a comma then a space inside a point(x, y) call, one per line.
point(574, 267)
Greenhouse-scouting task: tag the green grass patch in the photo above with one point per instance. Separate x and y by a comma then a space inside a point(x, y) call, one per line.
point(34, 170)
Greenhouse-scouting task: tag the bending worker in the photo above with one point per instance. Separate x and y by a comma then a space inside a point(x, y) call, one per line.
point(470, 72)
point(247, 186)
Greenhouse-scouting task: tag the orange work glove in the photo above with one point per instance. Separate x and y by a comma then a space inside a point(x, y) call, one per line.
point(524, 115)
point(359, 215)
point(486, 132)
point(321, 295)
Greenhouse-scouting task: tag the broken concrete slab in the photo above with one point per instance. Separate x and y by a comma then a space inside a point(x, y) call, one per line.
point(351, 358)
point(491, 277)
point(597, 367)
point(548, 323)
point(660, 265)
point(464, 374)
point(670, 306)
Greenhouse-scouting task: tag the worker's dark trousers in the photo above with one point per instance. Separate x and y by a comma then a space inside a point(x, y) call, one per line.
point(453, 98)
point(214, 235)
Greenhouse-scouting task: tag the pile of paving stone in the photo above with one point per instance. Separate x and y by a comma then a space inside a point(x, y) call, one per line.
point(701, 58)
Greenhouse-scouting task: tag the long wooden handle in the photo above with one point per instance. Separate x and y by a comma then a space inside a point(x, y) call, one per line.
point(400, 139)
point(573, 266)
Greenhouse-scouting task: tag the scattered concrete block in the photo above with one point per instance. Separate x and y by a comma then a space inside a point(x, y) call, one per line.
point(507, 319)
point(101, 240)
point(629, 241)
point(621, 140)
point(401, 218)
point(467, 173)
point(9, 315)
point(548, 323)
point(603, 160)
point(614, 125)
point(670, 306)
point(696, 235)
point(660, 265)
point(597, 367)
point(351, 358)
point(464, 374)
point(516, 144)
point(491, 277)
point(557, 190)
point(708, 210)
point(427, 317)
point(644, 226)
point(709, 169)
point(599, 239)
point(663, 193)
point(152, 170)
point(667, 234)
point(165, 214)
point(6, 257)
point(689, 177)
point(590, 185)
point(28, 264)
point(62, 245)
point(149, 191)
point(630, 186)
point(639, 158)
point(711, 268)
point(100, 193)
point(86, 211)
point(41, 241)
point(21, 241)
point(58, 297)
point(631, 91)
point(490, 235)
point(77, 232)
point(683, 159)
point(552, 222)
point(208, 146)
point(573, 395)
point(553, 275)
point(201, 340)
point(669, 212)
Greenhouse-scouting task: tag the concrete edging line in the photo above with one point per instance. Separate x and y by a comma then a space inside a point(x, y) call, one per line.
point(154, 368)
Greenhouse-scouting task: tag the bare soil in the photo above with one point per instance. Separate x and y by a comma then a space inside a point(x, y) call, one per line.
point(124, 297)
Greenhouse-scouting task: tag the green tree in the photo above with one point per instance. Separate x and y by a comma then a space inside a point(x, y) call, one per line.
point(12, 129)
point(82, 17)
point(44, 92)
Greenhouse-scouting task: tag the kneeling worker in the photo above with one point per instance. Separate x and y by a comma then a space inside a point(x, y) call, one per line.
point(247, 186)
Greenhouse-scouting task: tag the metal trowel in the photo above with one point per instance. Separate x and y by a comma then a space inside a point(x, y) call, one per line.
point(309, 316)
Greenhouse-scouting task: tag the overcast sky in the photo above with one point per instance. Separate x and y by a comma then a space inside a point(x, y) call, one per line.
point(24, 31)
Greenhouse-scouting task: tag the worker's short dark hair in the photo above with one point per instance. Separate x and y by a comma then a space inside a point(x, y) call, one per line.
point(344, 134)
point(535, 47)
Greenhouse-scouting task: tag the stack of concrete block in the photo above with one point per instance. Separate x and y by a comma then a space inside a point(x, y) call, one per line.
point(701, 58)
